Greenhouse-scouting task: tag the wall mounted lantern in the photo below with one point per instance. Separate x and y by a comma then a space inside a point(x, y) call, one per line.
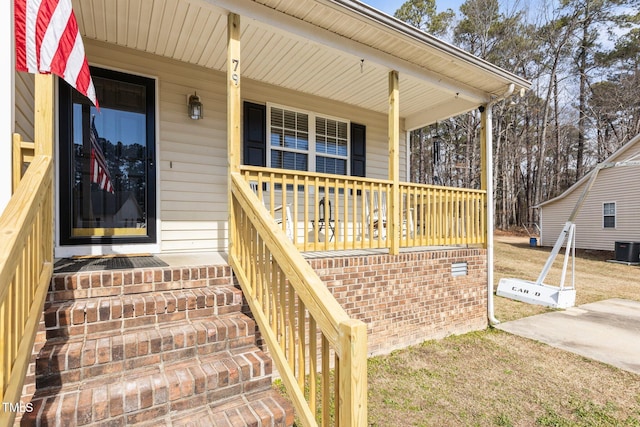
point(195, 107)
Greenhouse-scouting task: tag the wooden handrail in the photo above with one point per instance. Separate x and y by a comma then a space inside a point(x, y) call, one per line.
point(306, 330)
point(334, 212)
point(26, 265)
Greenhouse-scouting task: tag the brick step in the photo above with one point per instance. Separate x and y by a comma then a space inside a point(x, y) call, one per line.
point(153, 392)
point(264, 408)
point(65, 362)
point(69, 286)
point(96, 316)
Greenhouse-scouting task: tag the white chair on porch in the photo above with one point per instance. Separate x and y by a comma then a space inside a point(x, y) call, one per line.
point(378, 216)
point(281, 213)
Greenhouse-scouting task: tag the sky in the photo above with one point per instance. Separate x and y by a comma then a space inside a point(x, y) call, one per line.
point(390, 6)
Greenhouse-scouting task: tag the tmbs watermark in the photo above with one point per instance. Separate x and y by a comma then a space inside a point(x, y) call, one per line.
point(18, 408)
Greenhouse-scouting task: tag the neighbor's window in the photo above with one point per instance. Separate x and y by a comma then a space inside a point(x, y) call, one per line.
point(307, 142)
point(609, 215)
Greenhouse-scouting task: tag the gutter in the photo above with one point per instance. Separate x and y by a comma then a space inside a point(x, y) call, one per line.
point(490, 203)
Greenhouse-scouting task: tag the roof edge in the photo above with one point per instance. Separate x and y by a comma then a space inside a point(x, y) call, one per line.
point(620, 151)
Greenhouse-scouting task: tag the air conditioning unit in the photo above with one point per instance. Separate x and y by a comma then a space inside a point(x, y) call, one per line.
point(628, 251)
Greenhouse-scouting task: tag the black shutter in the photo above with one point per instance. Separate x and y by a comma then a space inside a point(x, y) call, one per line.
point(255, 134)
point(358, 150)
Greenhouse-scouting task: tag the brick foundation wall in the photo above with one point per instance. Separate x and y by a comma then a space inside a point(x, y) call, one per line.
point(409, 298)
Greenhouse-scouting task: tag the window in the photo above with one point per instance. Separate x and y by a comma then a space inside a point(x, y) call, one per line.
point(289, 136)
point(280, 137)
point(609, 215)
point(307, 142)
point(331, 146)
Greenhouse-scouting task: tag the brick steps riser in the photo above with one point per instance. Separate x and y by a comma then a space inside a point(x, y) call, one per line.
point(68, 362)
point(89, 317)
point(156, 392)
point(68, 286)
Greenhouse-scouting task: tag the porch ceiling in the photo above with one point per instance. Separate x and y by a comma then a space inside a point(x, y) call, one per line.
point(337, 49)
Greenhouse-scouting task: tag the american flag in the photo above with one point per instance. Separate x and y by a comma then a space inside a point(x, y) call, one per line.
point(99, 171)
point(48, 41)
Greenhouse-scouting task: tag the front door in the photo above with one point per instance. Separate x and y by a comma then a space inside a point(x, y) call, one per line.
point(107, 162)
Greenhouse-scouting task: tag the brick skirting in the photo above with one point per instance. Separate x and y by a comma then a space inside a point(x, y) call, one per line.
point(412, 297)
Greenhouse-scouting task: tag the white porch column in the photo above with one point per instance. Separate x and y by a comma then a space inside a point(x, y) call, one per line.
point(7, 113)
point(486, 147)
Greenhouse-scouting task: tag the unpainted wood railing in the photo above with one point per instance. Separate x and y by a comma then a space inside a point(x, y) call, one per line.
point(355, 215)
point(443, 216)
point(26, 265)
point(23, 154)
point(307, 331)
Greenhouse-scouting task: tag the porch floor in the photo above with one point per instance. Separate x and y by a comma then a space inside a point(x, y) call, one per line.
point(217, 258)
point(186, 259)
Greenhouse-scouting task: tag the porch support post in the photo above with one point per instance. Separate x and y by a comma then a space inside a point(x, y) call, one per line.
point(7, 76)
point(486, 183)
point(393, 205)
point(43, 140)
point(43, 121)
point(233, 112)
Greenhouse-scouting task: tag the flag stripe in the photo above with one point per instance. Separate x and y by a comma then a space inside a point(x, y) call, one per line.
point(20, 22)
point(98, 168)
point(56, 37)
point(48, 41)
point(43, 15)
point(76, 65)
point(32, 45)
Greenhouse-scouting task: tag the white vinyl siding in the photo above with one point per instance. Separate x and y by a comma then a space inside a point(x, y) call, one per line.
point(192, 155)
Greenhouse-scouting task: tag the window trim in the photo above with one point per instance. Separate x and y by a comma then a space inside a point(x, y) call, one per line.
point(614, 215)
point(311, 152)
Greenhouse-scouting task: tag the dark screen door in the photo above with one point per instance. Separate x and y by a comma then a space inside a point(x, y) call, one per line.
point(107, 162)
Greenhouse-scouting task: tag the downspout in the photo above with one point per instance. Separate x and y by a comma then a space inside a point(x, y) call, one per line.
point(488, 128)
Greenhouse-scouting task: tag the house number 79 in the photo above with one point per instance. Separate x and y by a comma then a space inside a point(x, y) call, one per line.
point(234, 76)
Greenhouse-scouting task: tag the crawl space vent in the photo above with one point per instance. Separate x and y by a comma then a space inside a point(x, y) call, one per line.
point(459, 269)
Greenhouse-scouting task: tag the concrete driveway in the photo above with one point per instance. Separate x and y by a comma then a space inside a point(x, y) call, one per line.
point(607, 331)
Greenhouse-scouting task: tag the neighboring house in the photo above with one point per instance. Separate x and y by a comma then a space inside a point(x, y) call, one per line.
point(309, 104)
point(611, 209)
